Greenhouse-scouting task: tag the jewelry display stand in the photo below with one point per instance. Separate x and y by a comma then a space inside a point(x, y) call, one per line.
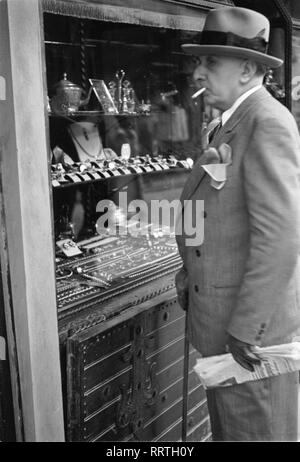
point(86, 138)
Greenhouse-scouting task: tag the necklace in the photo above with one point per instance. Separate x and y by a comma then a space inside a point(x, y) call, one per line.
point(87, 140)
point(86, 135)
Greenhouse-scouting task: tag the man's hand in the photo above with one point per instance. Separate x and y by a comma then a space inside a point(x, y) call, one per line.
point(242, 353)
point(183, 299)
point(182, 288)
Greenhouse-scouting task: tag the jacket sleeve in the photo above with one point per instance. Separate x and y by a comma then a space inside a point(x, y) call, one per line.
point(272, 190)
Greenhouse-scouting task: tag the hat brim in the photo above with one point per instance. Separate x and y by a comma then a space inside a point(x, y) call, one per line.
point(236, 52)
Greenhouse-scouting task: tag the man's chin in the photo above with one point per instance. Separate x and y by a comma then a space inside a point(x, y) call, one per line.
point(211, 101)
point(208, 98)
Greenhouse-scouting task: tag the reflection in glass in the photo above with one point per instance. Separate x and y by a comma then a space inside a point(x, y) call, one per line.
point(142, 84)
point(296, 76)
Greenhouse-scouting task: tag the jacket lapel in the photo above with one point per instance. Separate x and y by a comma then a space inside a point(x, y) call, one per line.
point(224, 135)
point(194, 180)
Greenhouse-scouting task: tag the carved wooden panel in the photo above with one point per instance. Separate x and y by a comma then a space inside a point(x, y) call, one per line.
point(124, 380)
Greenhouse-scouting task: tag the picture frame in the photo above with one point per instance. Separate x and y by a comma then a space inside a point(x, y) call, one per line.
point(104, 97)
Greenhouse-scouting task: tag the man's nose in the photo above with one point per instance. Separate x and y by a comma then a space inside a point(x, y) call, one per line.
point(199, 73)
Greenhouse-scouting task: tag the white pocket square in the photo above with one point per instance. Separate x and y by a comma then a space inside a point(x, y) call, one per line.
point(217, 184)
point(217, 173)
point(218, 170)
point(225, 152)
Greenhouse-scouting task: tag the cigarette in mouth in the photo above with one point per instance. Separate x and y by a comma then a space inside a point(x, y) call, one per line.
point(199, 92)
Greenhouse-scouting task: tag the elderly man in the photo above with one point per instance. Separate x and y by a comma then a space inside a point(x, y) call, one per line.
point(241, 286)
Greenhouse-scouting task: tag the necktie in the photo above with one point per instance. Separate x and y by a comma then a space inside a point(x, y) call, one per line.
point(214, 131)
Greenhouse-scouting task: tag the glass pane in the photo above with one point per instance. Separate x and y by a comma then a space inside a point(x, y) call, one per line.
point(157, 115)
point(151, 116)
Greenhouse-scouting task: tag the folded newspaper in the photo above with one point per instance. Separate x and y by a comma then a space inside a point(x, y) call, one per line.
point(223, 370)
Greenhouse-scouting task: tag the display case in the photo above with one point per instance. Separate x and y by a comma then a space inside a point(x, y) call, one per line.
point(123, 135)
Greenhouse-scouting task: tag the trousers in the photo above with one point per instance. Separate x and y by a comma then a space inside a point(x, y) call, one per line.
point(262, 410)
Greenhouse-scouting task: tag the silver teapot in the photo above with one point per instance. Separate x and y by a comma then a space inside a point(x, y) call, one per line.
point(67, 97)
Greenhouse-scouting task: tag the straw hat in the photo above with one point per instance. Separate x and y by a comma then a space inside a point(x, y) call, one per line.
point(236, 32)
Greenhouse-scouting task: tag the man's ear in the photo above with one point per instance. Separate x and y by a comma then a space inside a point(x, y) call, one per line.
point(248, 70)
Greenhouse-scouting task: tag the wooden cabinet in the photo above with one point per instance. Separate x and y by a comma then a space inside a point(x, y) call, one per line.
point(125, 379)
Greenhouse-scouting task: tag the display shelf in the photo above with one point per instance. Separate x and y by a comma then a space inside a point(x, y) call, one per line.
point(70, 115)
point(92, 175)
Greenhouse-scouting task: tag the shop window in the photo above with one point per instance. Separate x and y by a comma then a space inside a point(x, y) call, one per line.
point(160, 117)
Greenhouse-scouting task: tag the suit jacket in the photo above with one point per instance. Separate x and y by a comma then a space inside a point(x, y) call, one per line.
point(245, 277)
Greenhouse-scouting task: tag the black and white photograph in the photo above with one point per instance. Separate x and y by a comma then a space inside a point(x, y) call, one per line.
point(149, 224)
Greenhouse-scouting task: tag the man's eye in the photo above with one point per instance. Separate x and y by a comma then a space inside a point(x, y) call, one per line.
point(196, 60)
point(211, 62)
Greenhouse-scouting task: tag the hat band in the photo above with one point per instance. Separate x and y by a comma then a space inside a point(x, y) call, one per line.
point(210, 37)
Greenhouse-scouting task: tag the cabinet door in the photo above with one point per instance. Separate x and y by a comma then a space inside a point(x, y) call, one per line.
point(125, 380)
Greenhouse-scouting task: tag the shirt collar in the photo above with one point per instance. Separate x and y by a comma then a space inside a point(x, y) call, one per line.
point(227, 114)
